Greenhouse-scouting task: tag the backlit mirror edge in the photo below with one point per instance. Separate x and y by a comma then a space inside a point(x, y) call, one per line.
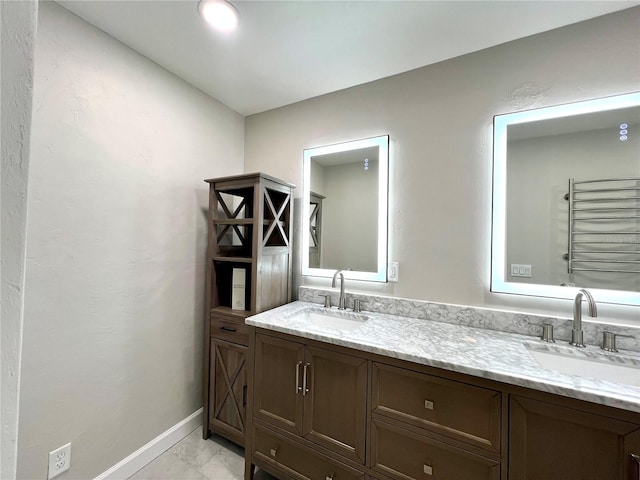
point(499, 213)
point(382, 142)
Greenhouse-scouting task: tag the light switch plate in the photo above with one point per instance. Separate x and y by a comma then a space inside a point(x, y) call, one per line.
point(393, 271)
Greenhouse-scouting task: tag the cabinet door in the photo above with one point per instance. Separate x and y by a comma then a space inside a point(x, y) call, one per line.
point(548, 441)
point(227, 389)
point(278, 382)
point(335, 414)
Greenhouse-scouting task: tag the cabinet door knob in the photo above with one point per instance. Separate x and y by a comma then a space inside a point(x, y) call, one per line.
point(274, 451)
point(428, 404)
point(298, 387)
point(428, 469)
point(329, 477)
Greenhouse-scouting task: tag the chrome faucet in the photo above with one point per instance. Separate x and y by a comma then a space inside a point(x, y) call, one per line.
point(576, 332)
point(342, 301)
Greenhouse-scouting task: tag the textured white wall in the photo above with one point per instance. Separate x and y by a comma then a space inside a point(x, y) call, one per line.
point(114, 310)
point(439, 119)
point(17, 33)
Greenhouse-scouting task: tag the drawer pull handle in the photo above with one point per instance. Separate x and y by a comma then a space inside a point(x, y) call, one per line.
point(428, 469)
point(329, 477)
point(228, 329)
point(274, 451)
point(305, 389)
point(298, 387)
point(429, 406)
point(637, 459)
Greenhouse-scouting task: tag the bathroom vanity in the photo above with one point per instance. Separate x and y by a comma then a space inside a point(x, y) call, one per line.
point(403, 398)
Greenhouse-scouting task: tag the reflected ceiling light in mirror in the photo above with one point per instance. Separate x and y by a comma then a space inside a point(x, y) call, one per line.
point(501, 123)
point(220, 14)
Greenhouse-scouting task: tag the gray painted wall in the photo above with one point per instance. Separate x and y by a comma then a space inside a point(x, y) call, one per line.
point(17, 34)
point(114, 302)
point(439, 119)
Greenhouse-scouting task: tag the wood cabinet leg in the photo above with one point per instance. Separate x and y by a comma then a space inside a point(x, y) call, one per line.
point(249, 469)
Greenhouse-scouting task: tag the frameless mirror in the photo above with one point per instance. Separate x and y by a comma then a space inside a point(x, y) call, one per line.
point(566, 200)
point(344, 218)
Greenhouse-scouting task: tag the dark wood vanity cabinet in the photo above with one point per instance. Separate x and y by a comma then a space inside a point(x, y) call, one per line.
point(547, 441)
point(325, 412)
point(314, 393)
point(353, 417)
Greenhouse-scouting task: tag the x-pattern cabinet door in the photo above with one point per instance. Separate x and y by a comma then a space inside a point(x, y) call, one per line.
point(228, 387)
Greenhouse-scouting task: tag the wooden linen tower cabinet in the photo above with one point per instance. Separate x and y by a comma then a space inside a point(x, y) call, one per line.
point(248, 271)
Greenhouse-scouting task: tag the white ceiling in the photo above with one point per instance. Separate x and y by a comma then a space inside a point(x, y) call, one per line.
point(287, 51)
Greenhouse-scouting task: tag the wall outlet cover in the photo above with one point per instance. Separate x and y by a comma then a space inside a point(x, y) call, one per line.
point(59, 461)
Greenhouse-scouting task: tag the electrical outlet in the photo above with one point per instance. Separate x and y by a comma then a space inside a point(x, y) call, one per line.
point(393, 271)
point(59, 460)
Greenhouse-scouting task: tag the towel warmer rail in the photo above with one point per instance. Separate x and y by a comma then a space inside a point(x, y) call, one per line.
point(604, 221)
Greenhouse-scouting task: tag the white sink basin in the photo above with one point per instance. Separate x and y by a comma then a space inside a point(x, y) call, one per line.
point(333, 319)
point(600, 366)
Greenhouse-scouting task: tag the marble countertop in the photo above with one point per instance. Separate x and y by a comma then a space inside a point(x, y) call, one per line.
point(489, 354)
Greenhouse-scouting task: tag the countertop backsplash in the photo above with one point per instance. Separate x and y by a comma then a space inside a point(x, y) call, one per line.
point(499, 320)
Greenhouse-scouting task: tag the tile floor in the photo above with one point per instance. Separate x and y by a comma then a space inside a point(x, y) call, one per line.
point(196, 459)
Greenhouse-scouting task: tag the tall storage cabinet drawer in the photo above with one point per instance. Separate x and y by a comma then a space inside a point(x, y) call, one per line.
point(295, 460)
point(404, 455)
point(234, 331)
point(463, 412)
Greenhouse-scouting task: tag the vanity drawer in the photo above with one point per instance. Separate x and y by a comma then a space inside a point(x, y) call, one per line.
point(463, 412)
point(230, 330)
point(295, 460)
point(405, 455)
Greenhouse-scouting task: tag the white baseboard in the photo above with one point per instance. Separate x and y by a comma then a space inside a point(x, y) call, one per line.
point(147, 453)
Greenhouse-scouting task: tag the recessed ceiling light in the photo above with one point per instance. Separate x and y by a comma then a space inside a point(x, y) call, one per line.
point(220, 14)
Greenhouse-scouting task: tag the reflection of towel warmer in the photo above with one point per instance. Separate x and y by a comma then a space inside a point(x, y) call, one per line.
point(604, 225)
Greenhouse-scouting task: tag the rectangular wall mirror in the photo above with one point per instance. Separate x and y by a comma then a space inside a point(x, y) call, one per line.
point(344, 218)
point(566, 200)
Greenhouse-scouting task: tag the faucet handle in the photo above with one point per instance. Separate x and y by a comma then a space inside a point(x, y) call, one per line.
point(609, 341)
point(327, 300)
point(547, 333)
point(357, 305)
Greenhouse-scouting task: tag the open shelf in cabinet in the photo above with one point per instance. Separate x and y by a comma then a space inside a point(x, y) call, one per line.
point(222, 288)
